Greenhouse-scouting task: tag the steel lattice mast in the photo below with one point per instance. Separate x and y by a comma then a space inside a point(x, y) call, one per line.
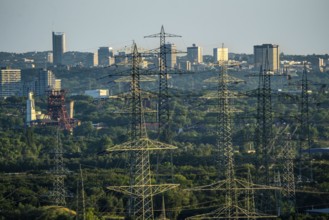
point(263, 134)
point(58, 193)
point(264, 122)
point(163, 98)
point(304, 132)
point(288, 178)
point(140, 189)
point(234, 207)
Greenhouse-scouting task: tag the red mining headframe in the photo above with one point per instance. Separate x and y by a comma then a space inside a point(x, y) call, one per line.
point(57, 110)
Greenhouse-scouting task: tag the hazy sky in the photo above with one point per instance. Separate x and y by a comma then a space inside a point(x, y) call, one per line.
point(297, 26)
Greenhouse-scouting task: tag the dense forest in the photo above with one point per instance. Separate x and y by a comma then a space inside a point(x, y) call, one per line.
point(26, 155)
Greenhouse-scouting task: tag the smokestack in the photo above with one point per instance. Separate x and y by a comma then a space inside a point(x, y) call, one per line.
point(71, 108)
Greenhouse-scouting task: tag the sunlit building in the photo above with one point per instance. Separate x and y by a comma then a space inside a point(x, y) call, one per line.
point(220, 54)
point(10, 82)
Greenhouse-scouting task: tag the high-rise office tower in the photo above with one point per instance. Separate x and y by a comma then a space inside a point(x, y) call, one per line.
point(194, 54)
point(171, 58)
point(46, 81)
point(91, 59)
point(59, 47)
point(10, 82)
point(220, 54)
point(105, 56)
point(273, 56)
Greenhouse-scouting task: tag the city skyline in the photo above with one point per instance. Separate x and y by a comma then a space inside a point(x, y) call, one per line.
point(298, 26)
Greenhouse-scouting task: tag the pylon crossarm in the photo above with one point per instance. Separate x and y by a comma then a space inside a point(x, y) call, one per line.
point(134, 190)
point(232, 110)
point(141, 144)
point(214, 95)
point(231, 212)
point(128, 95)
point(127, 79)
point(240, 185)
point(229, 79)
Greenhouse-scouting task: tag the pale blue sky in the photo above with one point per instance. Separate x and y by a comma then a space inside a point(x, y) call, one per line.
point(298, 26)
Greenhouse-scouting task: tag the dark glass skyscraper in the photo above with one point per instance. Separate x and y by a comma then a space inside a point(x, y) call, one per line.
point(59, 47)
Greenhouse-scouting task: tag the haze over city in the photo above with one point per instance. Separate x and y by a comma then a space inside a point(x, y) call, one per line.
point(298, 26)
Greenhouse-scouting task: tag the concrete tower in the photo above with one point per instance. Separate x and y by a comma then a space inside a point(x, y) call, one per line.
point(30, 109)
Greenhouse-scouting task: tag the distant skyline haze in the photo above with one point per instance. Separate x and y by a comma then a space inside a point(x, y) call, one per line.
point(297, 26)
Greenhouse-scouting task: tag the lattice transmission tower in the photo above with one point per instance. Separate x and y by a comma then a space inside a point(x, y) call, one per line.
point(264, 136)
point(140, 188)
point(58, 193)
point(163, 97)
point(305, 170)
point(264, 122)
point(288, 177)
point(239, 202)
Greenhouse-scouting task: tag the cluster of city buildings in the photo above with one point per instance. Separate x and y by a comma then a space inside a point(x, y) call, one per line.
point(11, 83)
point(191, 60)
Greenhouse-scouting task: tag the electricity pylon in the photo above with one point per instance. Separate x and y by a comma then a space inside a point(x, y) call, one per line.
point(263, 134)
point(58, 193)
point(304, 160)
point(235, 207)
point(140, 188)
point(163, 97)
point(264, 122)
point(288, 177)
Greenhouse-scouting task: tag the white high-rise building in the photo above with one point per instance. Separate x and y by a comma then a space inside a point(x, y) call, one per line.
point(30, 109)
point(220, 54)
point(10, 82)
point(194, 54)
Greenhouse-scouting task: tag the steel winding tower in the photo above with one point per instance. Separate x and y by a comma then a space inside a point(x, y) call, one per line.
point(57, 109)
point(163, 102)
point(140, 188)
point(304, 132)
